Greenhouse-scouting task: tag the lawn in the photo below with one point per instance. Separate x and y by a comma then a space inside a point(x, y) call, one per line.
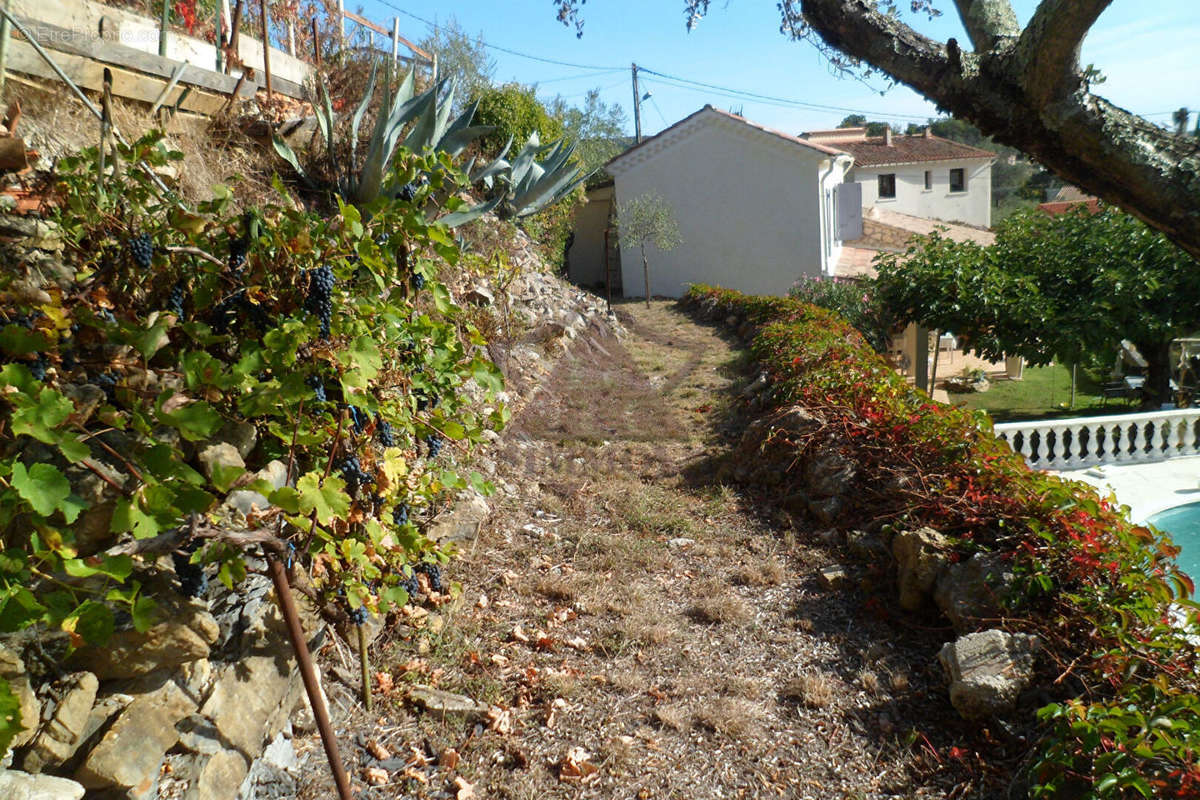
point(1043, 393)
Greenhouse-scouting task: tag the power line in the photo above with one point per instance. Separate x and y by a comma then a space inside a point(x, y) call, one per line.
point(433, 26)
point(771, 99)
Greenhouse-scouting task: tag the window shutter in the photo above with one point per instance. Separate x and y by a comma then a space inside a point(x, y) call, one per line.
point(847, 197)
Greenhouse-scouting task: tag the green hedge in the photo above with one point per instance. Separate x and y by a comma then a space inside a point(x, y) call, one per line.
point(1104, 595)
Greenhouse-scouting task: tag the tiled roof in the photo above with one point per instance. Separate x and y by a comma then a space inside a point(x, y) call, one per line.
point(873, 151)
point(667, 132)
point(1056, 208)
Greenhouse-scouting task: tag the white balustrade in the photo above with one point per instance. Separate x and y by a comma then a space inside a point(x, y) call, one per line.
point(1079, 442)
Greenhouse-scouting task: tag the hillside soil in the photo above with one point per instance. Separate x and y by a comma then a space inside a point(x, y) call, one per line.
point(641, 629)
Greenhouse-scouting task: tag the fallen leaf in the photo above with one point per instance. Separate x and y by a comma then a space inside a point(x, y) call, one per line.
point(376, 776)
point(482, 602)
point(384, 681)
point(465, 790)
point(419, 777)
point(500, 720)
point(577, 643)
point(379, 751)
point(448, 758)
point(575, 767)
point(519, 634)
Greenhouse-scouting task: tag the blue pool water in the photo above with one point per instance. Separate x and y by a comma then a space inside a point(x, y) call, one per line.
point(1183, 523)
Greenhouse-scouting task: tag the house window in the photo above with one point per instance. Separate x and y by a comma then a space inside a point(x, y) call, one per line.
point(928, 179)
point(958, 180)
point(887, 185)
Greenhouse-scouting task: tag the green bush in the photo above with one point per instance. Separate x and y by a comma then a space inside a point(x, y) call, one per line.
point(516, 112)
point(855, 301)
point(1114, 613)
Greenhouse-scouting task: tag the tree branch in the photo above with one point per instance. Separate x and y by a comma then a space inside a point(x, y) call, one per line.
point(1049, 46)
point(987, 22)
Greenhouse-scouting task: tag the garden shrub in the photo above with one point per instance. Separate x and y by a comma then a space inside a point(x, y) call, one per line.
point(1115, 615)
point(515, 112)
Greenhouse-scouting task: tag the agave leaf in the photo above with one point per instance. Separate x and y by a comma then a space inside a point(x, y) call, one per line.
point(383, 142)
point(421, 135)
point(471, 214)
point(525, 159)
point(464, 119)
point(454, 143)
point(325, 117)
point(443, 117)
point(356, 120)
point(549, 189)
point(288, 154)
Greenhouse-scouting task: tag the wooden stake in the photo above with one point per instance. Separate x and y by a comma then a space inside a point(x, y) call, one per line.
point(266, 51)
point(364, 665)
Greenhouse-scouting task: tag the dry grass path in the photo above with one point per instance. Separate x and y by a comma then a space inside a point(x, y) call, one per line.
point(647, 632)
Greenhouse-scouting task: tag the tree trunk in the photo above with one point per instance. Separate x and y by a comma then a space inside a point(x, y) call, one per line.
point(1025, 88)
point(646, 274)
point(1158, 372)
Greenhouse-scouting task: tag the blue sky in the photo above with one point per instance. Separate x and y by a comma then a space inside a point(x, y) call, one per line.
point(1147, 51)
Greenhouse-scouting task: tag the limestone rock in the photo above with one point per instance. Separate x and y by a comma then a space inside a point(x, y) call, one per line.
point(61, 734)
point(220, 775)
point(463, 521)
point(251, 699)
point(87, 397)
point(275, 473)
point(987, 671)
point(866, 547)
point(825, 510)
point(920, 555)
point(16, 785)
point(186, 634)
point(12, 669)
point(973, 589)
point(440, 703)
point(130, 752)
point(220, 455)
point(242, 435)
point(480, 296)
point(834, 577)
point(247, 501)
point(829, 474)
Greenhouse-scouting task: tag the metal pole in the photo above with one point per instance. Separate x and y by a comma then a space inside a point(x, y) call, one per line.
point(5, 35)
point(162, 29)
point(219, 38)
point(607, 270)
point(287, 605)
point(637, 109)
point(171, 84)
point(266, 50)
point(234, 41)
point(291, 39)
point(395, 39)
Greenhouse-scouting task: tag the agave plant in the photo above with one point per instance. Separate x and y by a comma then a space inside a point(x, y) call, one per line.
point(432, 129)
point(516, 189)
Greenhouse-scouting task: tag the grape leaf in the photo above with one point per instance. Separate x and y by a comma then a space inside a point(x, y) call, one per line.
point(328, 500)
point(42, 485)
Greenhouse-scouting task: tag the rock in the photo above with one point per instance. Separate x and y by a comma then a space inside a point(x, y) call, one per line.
point(220, 775)
point(866, 547)
point(12, 669)
point(222, 457)
point(130, 752)
point(680, 541)
point(825, 511)
point(921, 557)
point(246, 501)
point(834, 577)
point(242, 435)
point(87, 397)
point(829, 474)
point(479, 295)
point(62, 733)
point(441, 703)
point(273, 775)
point(100, 715)
point(186, 634)
point(973, 589)
point(462, 523)
point(16, 785)
point(987, 671)
point(275, 473)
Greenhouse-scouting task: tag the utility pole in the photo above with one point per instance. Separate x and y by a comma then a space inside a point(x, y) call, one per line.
point(637, 109)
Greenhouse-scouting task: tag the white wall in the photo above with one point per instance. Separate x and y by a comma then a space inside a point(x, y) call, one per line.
point(747, 206)
point(585, 261)
point(832, 173)
point(974, 206)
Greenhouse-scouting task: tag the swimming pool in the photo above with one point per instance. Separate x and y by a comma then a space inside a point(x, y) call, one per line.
point(1183, 523)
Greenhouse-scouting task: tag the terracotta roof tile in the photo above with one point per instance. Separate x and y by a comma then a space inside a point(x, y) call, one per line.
point(873, 152)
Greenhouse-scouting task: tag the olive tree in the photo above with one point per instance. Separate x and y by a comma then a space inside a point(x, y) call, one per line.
point(647, 219)
point(1023, 86)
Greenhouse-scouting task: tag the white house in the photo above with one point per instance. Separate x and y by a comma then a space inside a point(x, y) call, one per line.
point(756, 208)
point(922, 175)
